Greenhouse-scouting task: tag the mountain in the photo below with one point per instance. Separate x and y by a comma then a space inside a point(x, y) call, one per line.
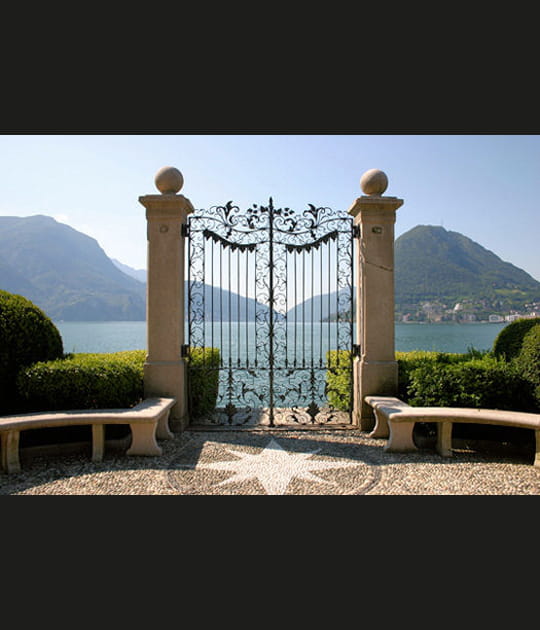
point(65, 273)
point(216, 303)
point(221, 305)
point(138, 274)
point(321, 307)
point(69, 276)
point(434, 264)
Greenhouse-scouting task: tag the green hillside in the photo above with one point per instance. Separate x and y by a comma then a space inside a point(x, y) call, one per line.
point(433, 264)
point(65, 272)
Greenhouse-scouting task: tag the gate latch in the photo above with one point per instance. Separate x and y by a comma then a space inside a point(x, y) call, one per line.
point(184, 351)
point(356, 350)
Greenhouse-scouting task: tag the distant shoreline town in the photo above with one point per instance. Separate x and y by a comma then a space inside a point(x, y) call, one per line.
point(465, 311)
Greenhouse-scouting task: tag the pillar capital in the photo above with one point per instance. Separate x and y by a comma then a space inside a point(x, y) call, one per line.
point(377, 208)
point(166, 206)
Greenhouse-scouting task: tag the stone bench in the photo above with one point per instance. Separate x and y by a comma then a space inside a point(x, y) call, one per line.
point(395, 420)
point(148, 421)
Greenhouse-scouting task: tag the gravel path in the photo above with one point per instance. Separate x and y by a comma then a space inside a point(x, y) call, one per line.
point(276, 462)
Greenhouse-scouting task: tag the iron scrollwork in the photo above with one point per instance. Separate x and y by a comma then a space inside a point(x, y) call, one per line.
point(273, 289)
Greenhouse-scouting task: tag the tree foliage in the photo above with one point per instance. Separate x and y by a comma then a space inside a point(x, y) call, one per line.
point(27, 335)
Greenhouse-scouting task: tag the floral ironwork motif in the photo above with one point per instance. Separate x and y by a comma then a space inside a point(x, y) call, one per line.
point(273, 290)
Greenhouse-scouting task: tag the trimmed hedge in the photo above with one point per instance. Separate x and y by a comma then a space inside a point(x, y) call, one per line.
point(439, 379)
point(27, 335)
point(203, 374)
point(480, 383)
point(408, 362)
point(115, 380)
point(508, 342)
point(339, 379)
point(84, 381)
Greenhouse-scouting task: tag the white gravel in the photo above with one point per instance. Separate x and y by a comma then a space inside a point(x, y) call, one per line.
point(193, 463)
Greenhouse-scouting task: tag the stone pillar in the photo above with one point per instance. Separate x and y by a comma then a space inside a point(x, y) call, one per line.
point(375, 371)
point(164, 369)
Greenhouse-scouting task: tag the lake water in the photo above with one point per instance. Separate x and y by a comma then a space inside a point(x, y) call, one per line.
point(118, 336)
point(308, 344)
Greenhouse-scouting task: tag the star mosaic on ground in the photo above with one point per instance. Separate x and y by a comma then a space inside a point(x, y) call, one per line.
point(274, 467)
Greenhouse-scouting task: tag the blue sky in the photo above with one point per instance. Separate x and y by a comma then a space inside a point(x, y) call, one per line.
point(485, 186)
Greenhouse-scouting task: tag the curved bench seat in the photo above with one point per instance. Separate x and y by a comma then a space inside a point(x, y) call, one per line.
point(396, 419)
point(148, 421)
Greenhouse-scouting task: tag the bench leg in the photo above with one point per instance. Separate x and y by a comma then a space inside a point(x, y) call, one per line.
point(10, 452)
point(143, 440)
point(381, 426)
point(98, 442)
point(401, 437)
point(537, 455)
point(444, 439)
point(163, 431)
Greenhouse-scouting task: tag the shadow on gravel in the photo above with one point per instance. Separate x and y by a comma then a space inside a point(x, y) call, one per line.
point(187, 450)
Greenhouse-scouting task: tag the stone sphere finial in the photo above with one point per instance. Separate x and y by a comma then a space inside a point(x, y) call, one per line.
point(374, 182)
point(169, 180)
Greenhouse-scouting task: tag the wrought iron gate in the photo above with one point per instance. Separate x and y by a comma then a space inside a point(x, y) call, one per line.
point(272, 291)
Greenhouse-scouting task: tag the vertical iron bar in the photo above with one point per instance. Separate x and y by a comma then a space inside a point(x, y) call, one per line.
point(338, 318)
point(221, 302)
point(295, 310)
point(189, 299)
point(312, 273)
point(329, 300)
point(229, 268)
point(271, 303)
point(321, 314)
point(238, 307)
point(286, 310)
point(304, 308)
point(211, 294)
point(247, 312)
point(229, 317)
point(255, 327)
point(204, 299)
point(312, 326)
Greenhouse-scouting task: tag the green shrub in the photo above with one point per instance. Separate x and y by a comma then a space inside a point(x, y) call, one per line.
point(408, 362)
point(203, 374)
point(339, 379)
point(528, 360)
point(339, 372)
point(480, 383)
point(115, 380)
point(27, 335)
point(83, 381)
point(508, 342)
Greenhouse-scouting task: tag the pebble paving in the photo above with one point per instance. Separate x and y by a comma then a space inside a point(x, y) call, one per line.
point(276, 462)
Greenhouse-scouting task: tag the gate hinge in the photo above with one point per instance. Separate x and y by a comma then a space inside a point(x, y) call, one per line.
point(185, 230)
point(356, 350)
point(184, 351)
point(356, 231)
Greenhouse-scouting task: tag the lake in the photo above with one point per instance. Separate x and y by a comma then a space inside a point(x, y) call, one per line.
point(118, 336)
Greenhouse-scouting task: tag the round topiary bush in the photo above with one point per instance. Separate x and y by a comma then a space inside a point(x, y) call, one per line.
point(528, 360)
point(27, 335)
point(508, 342)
